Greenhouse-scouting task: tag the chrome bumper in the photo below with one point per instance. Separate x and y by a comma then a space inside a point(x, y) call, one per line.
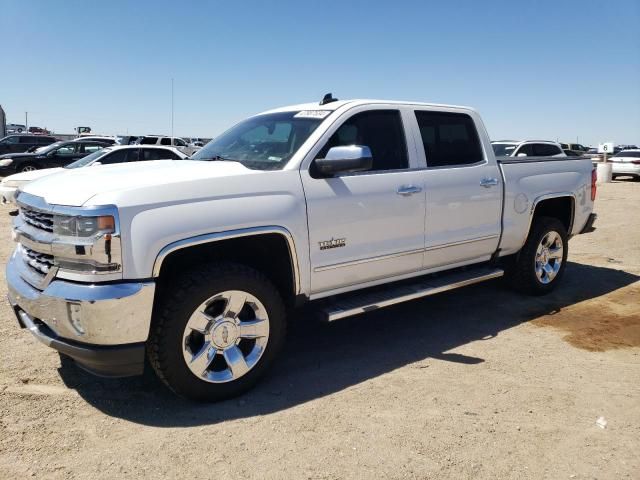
point(7, 195)
point(96, 314)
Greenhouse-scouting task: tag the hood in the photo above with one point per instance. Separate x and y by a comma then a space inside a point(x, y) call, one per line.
point(32, 175)
point(16, 155)
point(76, 187)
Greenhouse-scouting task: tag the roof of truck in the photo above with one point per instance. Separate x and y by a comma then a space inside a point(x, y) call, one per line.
point(334, 105)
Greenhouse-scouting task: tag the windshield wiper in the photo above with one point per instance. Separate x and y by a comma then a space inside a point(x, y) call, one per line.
point(217, 158)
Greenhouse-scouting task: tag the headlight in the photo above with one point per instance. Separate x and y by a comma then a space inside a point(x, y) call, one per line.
point(5, 162)
point(12, 183)
point(67, 226)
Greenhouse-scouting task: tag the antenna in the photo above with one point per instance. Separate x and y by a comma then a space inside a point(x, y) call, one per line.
point(171, 111)
point(328, 98)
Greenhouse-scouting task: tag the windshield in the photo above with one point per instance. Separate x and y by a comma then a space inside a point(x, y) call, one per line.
point(627, 153)
point(49, 148)
point(503, 149)
point(84, 161)
point(263, 142)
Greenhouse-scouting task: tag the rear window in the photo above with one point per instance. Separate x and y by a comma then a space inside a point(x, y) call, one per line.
point(449, 138)
point(148, 140)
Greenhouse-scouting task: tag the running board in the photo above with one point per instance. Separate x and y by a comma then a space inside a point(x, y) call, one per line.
point(362, 303)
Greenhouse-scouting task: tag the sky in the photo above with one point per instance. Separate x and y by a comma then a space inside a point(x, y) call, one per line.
point(559, 70)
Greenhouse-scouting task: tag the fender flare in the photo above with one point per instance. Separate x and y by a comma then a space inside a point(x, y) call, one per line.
point(218, 236)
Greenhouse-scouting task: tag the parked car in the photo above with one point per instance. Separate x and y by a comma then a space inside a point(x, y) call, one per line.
point(626, 163)
point(528, 148)
point(16, 128)
point(97, 138)
point(196, 263)
point(39, 131)
point(576, 147)
point(57, 154)
point(573, 153)
point(177, 142)
point(22, 143)
point(127, 139)
point(107, 155)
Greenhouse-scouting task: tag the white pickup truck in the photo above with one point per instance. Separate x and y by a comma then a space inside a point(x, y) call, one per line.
point(352, 205)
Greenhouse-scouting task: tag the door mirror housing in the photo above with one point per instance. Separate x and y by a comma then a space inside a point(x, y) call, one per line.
point(522, 155)
point(96, 164)
point(346, 159)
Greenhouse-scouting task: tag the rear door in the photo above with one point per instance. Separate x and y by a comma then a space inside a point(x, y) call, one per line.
point(463, 189)
point(365, 226)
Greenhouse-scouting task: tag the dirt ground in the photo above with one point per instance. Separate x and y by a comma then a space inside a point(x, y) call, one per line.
point(480, 383)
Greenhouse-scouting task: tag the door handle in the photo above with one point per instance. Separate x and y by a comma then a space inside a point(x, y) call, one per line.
point(406, 190)
point(488, 182)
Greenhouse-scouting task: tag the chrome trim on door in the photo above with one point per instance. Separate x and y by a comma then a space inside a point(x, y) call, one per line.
point(461, 242)
point(399, 254)
point(367, 260)
point(245, 232)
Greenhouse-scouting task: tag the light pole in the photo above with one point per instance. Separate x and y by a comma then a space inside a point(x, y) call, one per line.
point(26, 121)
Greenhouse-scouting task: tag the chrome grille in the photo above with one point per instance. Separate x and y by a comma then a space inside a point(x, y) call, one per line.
point(40, 262)
point(38, 219)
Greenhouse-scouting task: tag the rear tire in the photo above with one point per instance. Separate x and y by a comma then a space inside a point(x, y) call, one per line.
point(29, 167)
point(539, 266)
point(216, 329)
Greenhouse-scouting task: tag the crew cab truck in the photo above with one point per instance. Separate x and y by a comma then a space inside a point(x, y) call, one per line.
point(351, 205)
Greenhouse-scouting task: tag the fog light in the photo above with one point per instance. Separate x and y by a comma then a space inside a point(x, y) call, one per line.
point(75, 314)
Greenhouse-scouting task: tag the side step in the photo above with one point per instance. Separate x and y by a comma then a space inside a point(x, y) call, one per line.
point(361, 303)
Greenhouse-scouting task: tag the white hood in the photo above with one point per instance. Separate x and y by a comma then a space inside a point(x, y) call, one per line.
point(75, 187)
point(25, 177)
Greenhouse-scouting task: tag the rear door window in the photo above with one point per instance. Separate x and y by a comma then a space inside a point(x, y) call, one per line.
point(449, 139)
point(29, 140)
point(165, 141)
point(158, 154)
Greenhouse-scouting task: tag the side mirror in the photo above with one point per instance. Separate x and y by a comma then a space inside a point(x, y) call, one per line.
point(96, 164)
point(522, 155)
point(352, 158)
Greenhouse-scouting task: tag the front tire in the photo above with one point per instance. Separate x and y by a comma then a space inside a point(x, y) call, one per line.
point(28, 168)
point(540, 264)
point(215, 331)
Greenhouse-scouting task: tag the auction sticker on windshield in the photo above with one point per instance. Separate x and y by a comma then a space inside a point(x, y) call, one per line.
point(312, 114)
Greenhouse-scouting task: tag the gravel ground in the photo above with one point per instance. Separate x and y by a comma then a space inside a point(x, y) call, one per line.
point(479, 383)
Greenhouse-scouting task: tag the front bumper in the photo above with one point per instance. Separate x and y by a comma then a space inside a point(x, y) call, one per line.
point(7, 195)
point(102, 326)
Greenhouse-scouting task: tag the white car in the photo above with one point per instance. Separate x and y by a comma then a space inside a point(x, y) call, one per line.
point(626, 163)
point(176, 142)
point(196, 263)
point(98, 138)
point(106, 156)
point(527, 148)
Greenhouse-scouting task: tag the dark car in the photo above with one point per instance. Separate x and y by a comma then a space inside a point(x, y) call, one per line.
point(22, 143)
point(57, 154)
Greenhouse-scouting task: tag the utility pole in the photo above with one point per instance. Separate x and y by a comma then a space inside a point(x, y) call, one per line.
point(172, 111)
point(26, 121)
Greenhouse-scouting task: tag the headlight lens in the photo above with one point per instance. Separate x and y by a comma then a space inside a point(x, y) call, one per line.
point(67, 226)
point(5, 162)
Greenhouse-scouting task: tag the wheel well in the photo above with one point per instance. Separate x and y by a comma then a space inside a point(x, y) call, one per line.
point(559, 207)
point(269, 253)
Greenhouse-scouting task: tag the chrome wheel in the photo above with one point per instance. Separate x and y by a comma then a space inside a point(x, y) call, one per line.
point(28, 168)
point(549, 257)
point(225, 336)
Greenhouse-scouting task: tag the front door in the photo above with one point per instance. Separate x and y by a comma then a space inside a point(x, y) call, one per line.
point(369, 225)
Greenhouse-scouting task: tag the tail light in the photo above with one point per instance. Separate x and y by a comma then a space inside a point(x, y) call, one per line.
point(594, 188)
point(635, 162)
